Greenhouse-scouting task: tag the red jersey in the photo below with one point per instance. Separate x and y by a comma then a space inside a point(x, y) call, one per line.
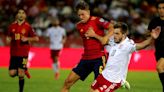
point(15, 31)
point(92, 47)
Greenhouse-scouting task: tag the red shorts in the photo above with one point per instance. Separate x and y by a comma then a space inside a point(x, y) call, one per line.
point(55, 53)
point(104, 85)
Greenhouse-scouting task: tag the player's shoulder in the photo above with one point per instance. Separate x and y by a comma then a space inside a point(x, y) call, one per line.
point(94, 17)
point(155, 19)
point(27, 24)
point(13, 23)
point(130, 41)
point(78, 23)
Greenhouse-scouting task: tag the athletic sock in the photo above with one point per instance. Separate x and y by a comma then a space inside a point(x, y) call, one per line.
point(55, 67)
point(21, 84)
point(161, 77)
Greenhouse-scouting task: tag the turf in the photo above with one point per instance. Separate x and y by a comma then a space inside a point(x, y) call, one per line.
point(43, 81)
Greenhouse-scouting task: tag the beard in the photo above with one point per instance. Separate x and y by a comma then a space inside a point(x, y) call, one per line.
point(118, 41)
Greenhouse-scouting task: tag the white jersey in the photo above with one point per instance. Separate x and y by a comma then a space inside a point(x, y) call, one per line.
point(118, 61)
point(56, 36)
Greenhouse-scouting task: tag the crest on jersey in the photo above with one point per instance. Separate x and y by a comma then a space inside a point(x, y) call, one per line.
point(23, 31)
point(81, 30)
point(13, 30)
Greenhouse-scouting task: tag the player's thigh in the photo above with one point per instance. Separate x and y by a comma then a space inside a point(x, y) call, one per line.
point(54, 54)
point(22, 65)
point(91, 90)
point(98, 66)
point(72, 78)
point(160, 65)
point(84, 68)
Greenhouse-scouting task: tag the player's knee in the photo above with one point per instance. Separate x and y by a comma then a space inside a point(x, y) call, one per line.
point(12, 74)
point(160, 69)
point(21, 74)
point(68, 83)
point(93, 90)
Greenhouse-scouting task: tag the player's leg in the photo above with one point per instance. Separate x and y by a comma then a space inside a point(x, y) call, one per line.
point(13, 72)
point(27, 73)
point(160, 69)
point(103, 85)
point(21, 79)
point(98, 66)
point(21, 71)
point(81, 71)
point(91, 90)
point(125, 84)
point(13, 67)
point(71, 79)
point(56, 67)
point(55, 60)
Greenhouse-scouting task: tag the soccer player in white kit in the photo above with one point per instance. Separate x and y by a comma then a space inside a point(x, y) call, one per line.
point(57, 38)
point(119, 55)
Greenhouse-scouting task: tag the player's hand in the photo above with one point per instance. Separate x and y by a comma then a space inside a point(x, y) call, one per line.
point(8, 40)
point(155, 32)
point(90, 32)
point(24, 39)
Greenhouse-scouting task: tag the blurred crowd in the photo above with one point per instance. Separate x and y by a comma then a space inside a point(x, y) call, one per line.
point(136, 13)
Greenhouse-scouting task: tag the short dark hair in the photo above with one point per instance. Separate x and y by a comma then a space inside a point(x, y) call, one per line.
point(82, 5)
point(123, 26)
point(159, 2)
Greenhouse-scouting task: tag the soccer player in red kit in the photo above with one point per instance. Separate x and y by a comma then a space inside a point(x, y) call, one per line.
point(20, 34)
point(92, 58)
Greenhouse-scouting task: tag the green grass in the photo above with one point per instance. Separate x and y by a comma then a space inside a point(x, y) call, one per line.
point(43, 81)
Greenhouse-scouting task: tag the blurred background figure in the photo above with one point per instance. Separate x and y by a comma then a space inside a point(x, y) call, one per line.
point(156, 26)
point(57, 38)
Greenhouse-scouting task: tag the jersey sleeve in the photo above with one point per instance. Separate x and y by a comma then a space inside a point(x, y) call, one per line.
point(31, 32)
point(132, 46)
point(64, 32)
point(9, 31)
point(102, 23)
point(110, 44)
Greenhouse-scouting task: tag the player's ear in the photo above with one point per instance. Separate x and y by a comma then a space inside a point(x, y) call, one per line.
point(124, 35)
point(88, 12)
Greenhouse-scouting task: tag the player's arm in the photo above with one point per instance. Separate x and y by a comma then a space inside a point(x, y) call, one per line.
point(31, 39)
point(108, 34)
point(155, 32)
point(102, 39)
point(8, 40)
point(154, 35)
point(64, 39)
point(144, 43)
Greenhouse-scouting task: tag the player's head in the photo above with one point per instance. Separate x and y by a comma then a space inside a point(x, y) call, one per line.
point(21, 15)
point(120, 31)
point(82, 9)
point(55, 22)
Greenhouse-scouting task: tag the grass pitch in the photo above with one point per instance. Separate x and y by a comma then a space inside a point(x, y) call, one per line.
point(43, 81)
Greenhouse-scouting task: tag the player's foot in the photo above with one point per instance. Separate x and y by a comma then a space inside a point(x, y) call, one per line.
point(57, 76)
point(27, 74)
point(126, 85)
